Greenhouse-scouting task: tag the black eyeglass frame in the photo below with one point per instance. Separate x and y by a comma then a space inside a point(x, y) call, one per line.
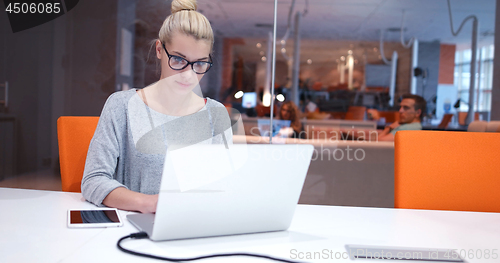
point(188, 62)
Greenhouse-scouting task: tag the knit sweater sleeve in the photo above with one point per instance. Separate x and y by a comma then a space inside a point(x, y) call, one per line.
point(104, 152)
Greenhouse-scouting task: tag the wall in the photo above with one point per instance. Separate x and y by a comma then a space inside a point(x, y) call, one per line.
point(428, 59)
point(70, 66)
point(149, 18)
point(125, 38)
point(495, 93)
point(63, 67)
point(24, 58)
point(280, 77)
point(447, 64)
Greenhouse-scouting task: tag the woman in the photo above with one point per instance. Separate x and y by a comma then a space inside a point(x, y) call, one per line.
point(289, 111)
point(125, 158)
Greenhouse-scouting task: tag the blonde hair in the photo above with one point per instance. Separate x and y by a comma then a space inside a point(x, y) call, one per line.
point(185, 19)
point(294, 115)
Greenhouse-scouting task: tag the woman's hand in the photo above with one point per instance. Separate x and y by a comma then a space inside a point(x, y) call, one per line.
point(149, 204)
point(125, 199)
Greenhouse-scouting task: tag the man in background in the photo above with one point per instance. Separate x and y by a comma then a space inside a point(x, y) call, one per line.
point(411, 112)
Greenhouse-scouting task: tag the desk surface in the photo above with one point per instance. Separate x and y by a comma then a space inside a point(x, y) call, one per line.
point(33, 229)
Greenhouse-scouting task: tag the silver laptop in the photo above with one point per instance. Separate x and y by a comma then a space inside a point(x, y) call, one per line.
point(209, 190)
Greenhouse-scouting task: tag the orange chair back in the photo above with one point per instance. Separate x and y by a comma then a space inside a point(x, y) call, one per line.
point(441, 170)
point(463, 115)
point(390, 116)
point(445, 121)
point(317, 86)
point(265, 111)
point(74, 135)
point(355, 113)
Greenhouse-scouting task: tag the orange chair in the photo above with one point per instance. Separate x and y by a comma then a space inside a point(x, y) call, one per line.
point(74, 135)
point(263, 111)
point(463, 115)
point(390, 116)
point(317, 86)
point(445, 121)
point(355, 113)
point(442, 170)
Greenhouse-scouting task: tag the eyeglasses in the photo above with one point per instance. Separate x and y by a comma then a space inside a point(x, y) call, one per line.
point(180, 63)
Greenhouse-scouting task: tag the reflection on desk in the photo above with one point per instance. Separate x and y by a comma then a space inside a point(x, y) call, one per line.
point(33, 229)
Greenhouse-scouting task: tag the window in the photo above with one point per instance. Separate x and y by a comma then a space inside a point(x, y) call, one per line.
point(484, 78)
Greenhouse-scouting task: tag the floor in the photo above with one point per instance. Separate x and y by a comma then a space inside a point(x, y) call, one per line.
point(40, 180)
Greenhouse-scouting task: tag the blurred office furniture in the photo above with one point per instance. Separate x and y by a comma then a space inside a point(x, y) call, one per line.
point(442, 170)
point(334, 105)
point(317, 86)
point(374, 99)
point(7, 145)
point(316, 115)
point(355, 113)
point(445, 121)
point(263, 111)
point(251, 126)
point(74, 135)
point(484, 126)
point(462, 115)
point(477, 126)
point(390, 116)
point(493, 126)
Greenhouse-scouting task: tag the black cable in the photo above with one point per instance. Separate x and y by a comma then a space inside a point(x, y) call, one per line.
point(140, 235)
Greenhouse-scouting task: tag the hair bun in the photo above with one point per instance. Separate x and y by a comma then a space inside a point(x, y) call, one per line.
point(179, 5)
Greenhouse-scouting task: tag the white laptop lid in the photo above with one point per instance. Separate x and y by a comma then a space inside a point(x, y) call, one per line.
point(208, 190)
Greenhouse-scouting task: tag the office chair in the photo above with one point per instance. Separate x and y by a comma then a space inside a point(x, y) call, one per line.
point(445, 121)
point(355, 113)
point(441, 170)
point(477, 126)
point(463, 115)
point(74, 135)
point(493, 126)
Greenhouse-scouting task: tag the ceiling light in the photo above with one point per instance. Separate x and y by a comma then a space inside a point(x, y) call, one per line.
point(238, 94)
point(309, 61)
point(280, 97)
point(259, 45)
point(261, 53)
point(342, 58)
point(283, 50)
point(283, 41)
point(263, 58)
point(349, 52)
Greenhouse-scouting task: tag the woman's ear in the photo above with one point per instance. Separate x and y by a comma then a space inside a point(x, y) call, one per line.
point(158, 49)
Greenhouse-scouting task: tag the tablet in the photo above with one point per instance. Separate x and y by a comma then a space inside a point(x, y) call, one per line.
point(100, 217)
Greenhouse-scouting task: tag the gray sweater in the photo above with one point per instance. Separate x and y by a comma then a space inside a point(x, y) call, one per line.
point(129, 144)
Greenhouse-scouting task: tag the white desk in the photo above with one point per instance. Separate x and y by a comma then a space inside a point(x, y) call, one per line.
point(33, 229)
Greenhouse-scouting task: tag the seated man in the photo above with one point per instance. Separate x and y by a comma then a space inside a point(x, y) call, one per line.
point(411, 112)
